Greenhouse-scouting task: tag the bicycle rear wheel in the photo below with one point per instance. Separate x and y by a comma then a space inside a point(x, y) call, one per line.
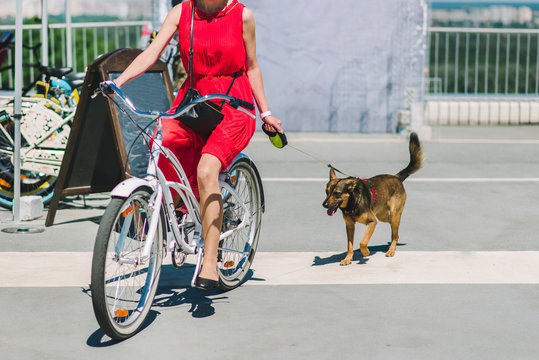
point(236, 252)
point(32, 183)
point(123, 283)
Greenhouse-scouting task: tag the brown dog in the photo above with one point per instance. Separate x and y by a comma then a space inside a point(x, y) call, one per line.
point(364, 200)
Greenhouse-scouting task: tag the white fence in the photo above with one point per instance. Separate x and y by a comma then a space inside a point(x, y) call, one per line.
point(482, 76)
point(475, 76)
point(468, 110)
point(88, 41)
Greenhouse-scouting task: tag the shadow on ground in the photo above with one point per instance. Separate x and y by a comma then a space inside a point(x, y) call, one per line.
point(96, 201)
point(318, 261)
point(168, 296)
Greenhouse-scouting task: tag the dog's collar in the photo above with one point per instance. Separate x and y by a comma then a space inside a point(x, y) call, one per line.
point(372, 188)
point(372, 191)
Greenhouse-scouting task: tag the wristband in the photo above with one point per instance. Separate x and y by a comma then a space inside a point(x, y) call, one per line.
point(265, 114)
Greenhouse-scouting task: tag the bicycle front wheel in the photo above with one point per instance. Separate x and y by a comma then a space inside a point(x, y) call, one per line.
point(123, 281)
point(237, 251)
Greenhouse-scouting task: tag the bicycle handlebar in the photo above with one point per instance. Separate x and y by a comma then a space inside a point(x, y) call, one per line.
point(109, 87)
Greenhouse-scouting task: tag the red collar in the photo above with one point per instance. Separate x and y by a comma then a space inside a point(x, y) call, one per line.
point(372, 188)
point(372, 191)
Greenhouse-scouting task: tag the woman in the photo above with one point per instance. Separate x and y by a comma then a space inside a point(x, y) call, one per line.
point(224, 50)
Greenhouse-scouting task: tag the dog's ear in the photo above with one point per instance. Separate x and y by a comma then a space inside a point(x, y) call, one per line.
point(332, 174)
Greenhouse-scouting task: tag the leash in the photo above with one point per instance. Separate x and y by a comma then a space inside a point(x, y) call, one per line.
point(319, 160)
point(280, 141)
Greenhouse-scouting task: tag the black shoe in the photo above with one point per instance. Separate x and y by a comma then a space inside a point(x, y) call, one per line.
point(206, 284)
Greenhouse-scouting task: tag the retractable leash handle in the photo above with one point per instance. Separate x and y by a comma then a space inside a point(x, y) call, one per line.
point(276, 138)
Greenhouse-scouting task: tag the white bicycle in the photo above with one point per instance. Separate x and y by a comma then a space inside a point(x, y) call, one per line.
point(140, 225)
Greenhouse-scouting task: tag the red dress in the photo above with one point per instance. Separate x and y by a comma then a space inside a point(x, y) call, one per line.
point(218, 53)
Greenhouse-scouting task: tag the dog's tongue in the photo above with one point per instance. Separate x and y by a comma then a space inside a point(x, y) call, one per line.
point(331, 212)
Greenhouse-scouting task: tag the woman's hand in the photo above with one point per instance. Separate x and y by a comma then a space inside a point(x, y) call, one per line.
point(273, 124)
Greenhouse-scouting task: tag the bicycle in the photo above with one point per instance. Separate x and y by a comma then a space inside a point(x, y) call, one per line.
point(45, 127)
point(140, 225)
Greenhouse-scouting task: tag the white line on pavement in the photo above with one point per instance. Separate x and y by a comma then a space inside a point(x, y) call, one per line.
point(382, 140)
point(433, 180)
point(489, 141)
point(63, 269)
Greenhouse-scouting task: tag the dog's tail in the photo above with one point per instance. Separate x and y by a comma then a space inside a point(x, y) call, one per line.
point(416, 158)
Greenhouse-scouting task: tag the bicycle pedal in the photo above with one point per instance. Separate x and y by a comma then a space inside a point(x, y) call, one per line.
point(178, 258)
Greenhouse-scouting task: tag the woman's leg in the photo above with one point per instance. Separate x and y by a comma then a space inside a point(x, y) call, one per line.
point(187, 146)
point(211, 208)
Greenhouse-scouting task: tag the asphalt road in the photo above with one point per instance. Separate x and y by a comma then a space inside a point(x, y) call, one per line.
point(462, 284)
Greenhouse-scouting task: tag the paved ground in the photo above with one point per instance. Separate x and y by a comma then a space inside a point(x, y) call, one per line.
point(464, 283)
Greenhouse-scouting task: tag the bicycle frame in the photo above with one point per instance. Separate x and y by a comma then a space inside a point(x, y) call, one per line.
point(161, 187)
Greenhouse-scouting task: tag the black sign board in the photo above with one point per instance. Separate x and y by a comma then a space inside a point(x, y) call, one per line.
point(104, 145)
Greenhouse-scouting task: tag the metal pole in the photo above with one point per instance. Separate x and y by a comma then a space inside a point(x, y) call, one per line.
point(69, 34)
point(17, 114)
point(44, 33)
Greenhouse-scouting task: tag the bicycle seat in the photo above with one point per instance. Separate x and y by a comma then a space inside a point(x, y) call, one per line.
point(75, 84)
point(75, 76)
point(5, 39)
point(75, 80)
point(56, 72)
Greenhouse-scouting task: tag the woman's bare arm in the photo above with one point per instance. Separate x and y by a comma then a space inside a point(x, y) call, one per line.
point(150, 55)
point(253, 71)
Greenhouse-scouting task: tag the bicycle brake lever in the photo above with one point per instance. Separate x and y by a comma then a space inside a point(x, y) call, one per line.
point(104, 87)
point(96, 92)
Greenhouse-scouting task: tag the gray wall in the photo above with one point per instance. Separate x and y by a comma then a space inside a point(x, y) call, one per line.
point(340, 65)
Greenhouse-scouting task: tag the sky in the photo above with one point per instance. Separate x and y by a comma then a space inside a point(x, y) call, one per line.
point(460, 4)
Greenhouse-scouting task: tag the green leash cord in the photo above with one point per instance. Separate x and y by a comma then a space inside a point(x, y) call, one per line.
point(279, 141)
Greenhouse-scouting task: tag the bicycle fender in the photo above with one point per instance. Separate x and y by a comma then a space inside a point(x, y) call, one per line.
point(126, 187)
point(62, 84)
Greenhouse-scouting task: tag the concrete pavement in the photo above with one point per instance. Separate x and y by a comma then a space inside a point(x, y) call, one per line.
point(463, 283)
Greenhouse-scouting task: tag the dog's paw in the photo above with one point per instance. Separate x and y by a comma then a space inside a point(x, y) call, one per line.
point(365, 252)
point(346, 261)
point(390, 253)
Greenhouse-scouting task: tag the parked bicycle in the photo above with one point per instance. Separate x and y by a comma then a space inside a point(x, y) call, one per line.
point(140, 225)
point(5, 41)
point(46, 122)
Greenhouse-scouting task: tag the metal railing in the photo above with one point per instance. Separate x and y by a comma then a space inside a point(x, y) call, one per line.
point(463, 61)
point(89, 40)
point(482, 76)
point(482, 110)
